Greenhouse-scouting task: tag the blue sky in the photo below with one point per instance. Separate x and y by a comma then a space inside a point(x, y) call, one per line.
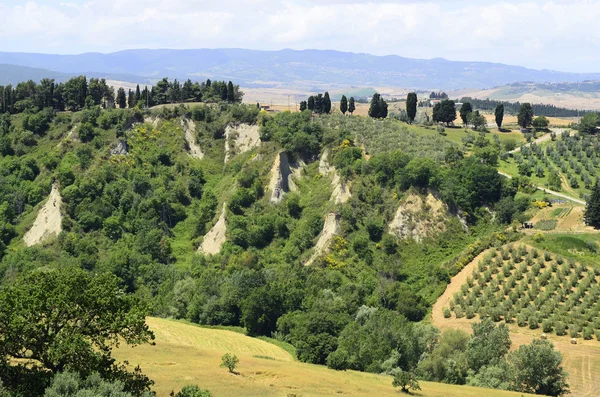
point(559, 34)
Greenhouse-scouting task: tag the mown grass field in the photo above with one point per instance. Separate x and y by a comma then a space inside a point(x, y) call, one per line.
point(187, 354)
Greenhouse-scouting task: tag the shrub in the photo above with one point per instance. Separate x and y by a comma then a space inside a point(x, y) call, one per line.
point(521, 320)
point(193, 391)
point(533, 322)
point(229, 361)
point(560, 328)
point(447, 313)
point(574, 331)
point(547, 326)
point(588, 333)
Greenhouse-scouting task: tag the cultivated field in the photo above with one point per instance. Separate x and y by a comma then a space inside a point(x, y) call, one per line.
point(187, 354)
point(581, 360)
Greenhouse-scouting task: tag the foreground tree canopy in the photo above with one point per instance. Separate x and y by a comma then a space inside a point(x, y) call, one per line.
point(70, 319)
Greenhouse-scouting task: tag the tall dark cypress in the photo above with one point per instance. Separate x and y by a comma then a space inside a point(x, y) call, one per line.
point(411, 106)
point(326, 103)
point(592, 210)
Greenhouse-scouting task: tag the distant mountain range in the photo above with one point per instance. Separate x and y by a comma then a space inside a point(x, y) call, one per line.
point(309, 69)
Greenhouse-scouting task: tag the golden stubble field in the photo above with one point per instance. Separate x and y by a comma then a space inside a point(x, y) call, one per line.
point(187, 354)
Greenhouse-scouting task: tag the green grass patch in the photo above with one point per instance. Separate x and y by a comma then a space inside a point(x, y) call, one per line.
point(546, 225)
point(581, 247)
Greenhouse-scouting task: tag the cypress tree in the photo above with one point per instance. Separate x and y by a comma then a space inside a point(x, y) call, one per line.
point(224, 92)
point(344, 104)
point(230, 93)
point(592, 210)
point(303, 106)
point(374, 107)
point(465, 110)
point(499, 113)
point(311, 103)
point(383, 108)
point(319, 104)
point(525, 116)
point(138, 94)
point(411, 106)
point(326, 103)
point(130, 99)
point(121, 98)
point(351, 105)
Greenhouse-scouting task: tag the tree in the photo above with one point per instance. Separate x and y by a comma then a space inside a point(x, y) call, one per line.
point(121, 98)
point(411, 106)
point(351, 105)
point(592, 209)
point(489, 344)
point(444, 112)
point(537, 368)
point(229, 361)
point(326, 103)
point(499, 113)
point(230, 92)
point(589, 123)
point(130, 99)
point(138, 94)
point(554, 181)
point(71, 384)
point(540, 123)
point(303, 106)
point(405, 380)
point(378, 108)
point(525, 116)
point(311, 103)
point(344, 104)
point(477, 120)
point(465, 111)
point(70, 319)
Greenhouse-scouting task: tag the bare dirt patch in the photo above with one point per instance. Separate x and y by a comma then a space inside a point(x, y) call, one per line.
point(330, 229)
point(214, 239)
point(418, 217)
point(189, 127)
point(48, 222)
point(240, 139)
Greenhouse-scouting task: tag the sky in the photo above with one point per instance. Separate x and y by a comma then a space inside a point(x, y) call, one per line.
point(560, 35)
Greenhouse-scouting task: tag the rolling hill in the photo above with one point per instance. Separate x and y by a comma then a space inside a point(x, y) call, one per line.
point(307, 68)
point(186, 354)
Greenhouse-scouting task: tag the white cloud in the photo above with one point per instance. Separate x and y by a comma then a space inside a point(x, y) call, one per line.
point(555, 34)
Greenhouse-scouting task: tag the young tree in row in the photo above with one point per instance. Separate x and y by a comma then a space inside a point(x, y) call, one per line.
point(592, 210)
point(344, 104)
point(121, 98)
point(411, 106)
point(465, 111)
point(378, 108)
point(444, 112)
point(525, 116)
point(499, 113)
point(351, 105)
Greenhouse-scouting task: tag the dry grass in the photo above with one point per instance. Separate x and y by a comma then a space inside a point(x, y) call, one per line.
point(186, 354)
point(581, 361)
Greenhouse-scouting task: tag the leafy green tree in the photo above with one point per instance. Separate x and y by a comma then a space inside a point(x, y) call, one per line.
point(540, 123)
point(589, 123)
point(344, 104)
point(70, 384)
point(525, 115)
point(477, 120)
point(448, 361)
point(499, 114)
point(592, 209)
point(121, 98)
point(351, 105)
point(444, 112)
point(554, 181)
point(303, 106)
point(405, 380)
point(411, 106)
point(230, 361)
point(465, 111)
point(537, 368)
point(70, 319)
point(489, 344)
point(378, 108)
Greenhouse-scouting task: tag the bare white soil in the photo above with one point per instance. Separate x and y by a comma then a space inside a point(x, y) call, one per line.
point(330, 229)
point(240, 139)
point(189, 127)
point(214, 239)
point(282, 177)
point(48, 222)
point(418, 218)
